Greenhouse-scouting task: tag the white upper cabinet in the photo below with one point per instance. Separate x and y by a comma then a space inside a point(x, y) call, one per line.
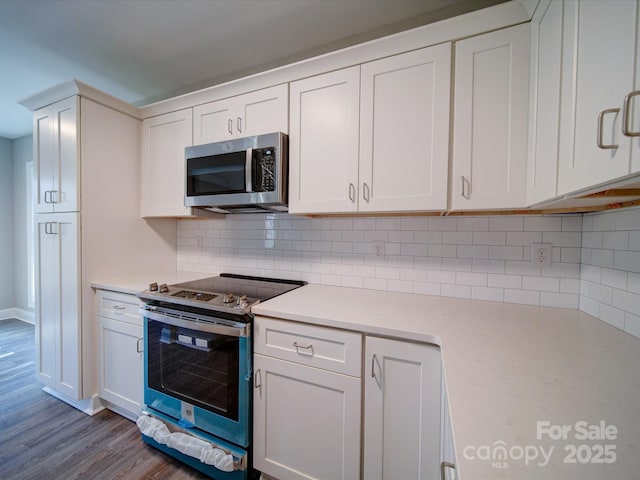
point(490, 120)
point(255, 113)
point(404, 131)
point(164, 139)
point(373, 138)
point(600, 56)
point(544, 119)
point(323, 143)
point(56, 155)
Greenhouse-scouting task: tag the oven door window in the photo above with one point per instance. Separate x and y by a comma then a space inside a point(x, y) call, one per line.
point(216, 174)
point(196, 367)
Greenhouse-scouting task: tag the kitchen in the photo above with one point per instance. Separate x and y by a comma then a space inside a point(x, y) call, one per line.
point(488, 257)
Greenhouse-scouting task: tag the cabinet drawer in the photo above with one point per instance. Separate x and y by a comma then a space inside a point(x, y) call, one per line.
point(119, 306)
point(321, 347)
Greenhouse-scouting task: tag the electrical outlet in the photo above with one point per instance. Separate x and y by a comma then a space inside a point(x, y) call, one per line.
point(378, 249)
point(541, 254)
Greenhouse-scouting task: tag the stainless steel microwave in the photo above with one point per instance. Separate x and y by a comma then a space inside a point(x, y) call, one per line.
point(243, 175)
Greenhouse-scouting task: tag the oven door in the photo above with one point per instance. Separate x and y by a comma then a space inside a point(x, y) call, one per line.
point(198, 372)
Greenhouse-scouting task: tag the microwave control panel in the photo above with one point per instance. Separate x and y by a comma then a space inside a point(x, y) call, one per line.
point(264, 174)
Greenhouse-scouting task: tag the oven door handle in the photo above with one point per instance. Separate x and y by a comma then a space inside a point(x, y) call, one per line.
point(194, 324)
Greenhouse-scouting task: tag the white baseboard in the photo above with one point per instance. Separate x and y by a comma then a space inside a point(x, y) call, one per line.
point(19, 313)
point(90, 406)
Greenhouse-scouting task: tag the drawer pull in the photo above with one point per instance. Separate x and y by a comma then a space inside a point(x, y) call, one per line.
point(119, 308)
point(139, 346)
point(303, 350)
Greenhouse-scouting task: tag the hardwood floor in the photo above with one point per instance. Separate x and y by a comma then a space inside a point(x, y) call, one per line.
point(44, 438)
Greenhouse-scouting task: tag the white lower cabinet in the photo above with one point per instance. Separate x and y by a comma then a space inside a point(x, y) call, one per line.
point(306, 419)
point(120, 337)
point(308, 405)
point(402, 410)
point(58, 322)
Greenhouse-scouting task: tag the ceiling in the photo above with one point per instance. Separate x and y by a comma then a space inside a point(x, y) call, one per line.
point(147, 50)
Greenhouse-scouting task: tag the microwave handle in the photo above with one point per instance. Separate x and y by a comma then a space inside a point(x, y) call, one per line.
point(248, 170)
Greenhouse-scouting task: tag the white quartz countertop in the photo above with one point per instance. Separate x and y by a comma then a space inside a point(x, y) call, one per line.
point(508, 368)
point(133, 283)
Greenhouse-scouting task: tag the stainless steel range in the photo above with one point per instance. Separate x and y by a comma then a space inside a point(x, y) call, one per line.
point(198, 370)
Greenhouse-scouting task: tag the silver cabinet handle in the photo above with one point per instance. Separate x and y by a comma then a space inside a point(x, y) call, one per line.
point(54, 196)
point(627, 120)
point(230, 126)
point(45, 196)
point(303, 349)
point(49, 228)
point(365, 192)
point(119, 308)
point(239, 124)
point(601, 143)
point(443, 466)
point(139, 346)
point(257, 379)
point(464, 191)
point(373, 362)
point(352, 192)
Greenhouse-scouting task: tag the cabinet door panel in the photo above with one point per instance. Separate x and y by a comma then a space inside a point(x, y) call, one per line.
point(490, 120)
point(67, 152)
point(43, 156)
point(164, 139)
point(402, 416)
point(306, 421)
point(599, 41)
point(404, 131)
point(544, 125)
point(46, 266)
point(264, 111)
point(58, 302)
point(214, 121)
point(323, 143)
point(120, 364)
point(69, 335)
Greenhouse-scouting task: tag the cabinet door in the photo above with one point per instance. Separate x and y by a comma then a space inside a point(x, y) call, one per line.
point(490, 120)
point(402, 411)
point(58, 302)
point(404, 131)
point(214, 121)
point(164, 139)
point(56, 155)
point(255, 113)
point(323, 143)
point(306, 421)
point(263, 111)
point(544, 119)
point(599, 50)
point(121, 363)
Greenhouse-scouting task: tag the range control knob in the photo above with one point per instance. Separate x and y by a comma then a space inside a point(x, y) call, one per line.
point(164, 288)
point(153, 287)
point(242, 301)
point(228, 298)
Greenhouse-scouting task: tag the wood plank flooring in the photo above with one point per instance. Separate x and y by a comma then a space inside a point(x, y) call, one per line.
point(42, 438)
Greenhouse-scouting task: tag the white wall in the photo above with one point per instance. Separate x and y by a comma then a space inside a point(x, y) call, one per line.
point(610, 280)
point(480, 257)
point(6, 225)
point(22, 153)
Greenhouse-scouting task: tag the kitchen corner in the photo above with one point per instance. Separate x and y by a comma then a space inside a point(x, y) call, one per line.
point(512, 374)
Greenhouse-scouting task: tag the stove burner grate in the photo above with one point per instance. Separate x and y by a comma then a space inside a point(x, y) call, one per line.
point(188, 294)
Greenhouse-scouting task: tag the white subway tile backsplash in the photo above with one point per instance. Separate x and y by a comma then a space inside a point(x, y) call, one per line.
point(596, 257)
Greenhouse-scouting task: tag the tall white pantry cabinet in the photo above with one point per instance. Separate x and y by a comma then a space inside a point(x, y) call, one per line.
point(88, 227)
